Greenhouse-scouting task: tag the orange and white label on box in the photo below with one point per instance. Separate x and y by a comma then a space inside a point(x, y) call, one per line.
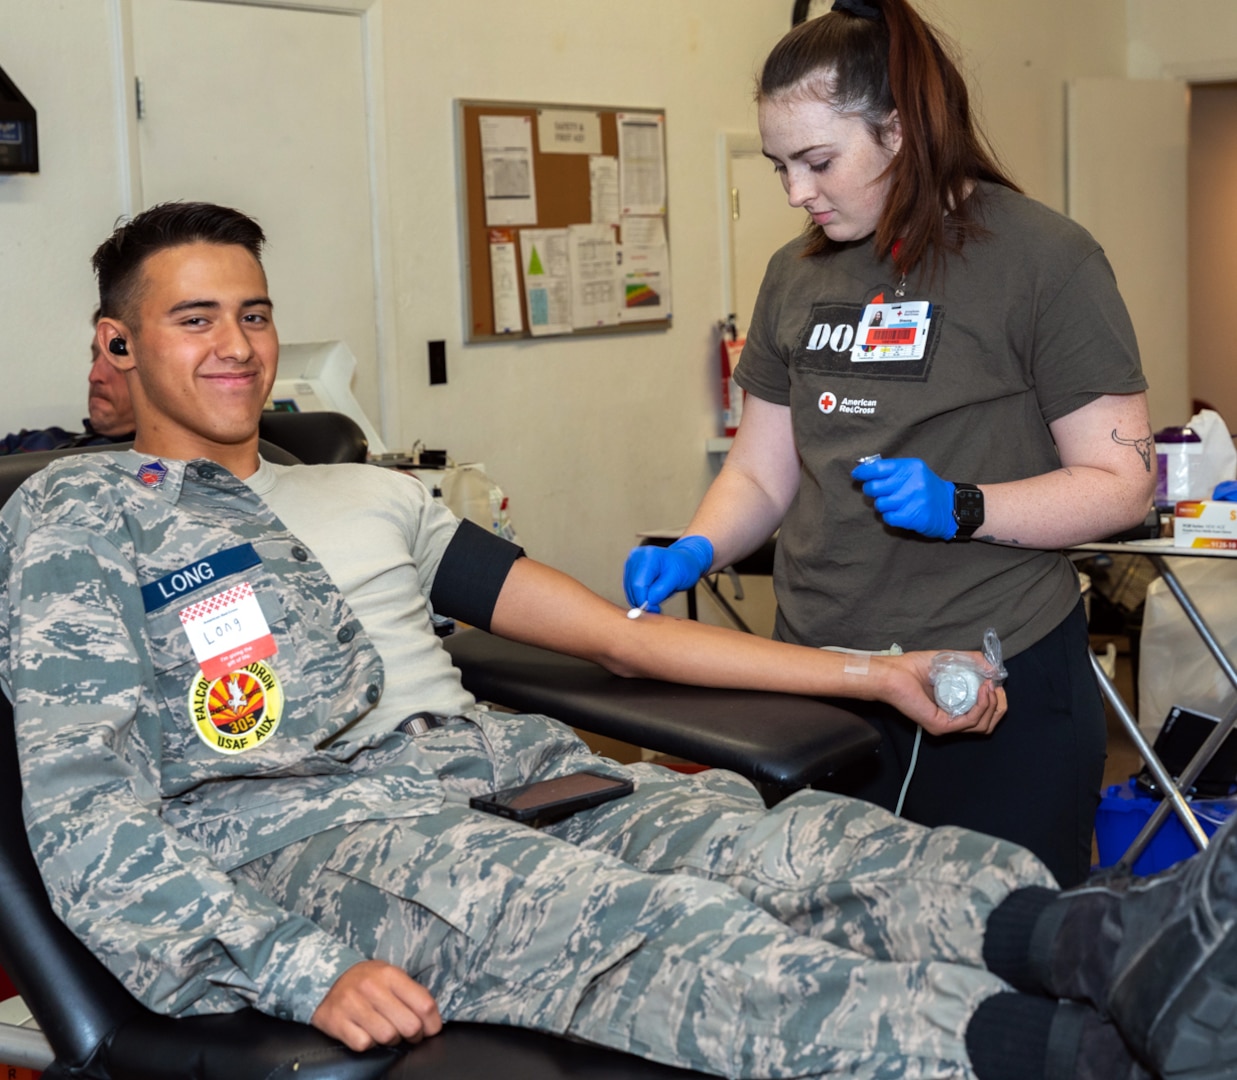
point(1201, 523)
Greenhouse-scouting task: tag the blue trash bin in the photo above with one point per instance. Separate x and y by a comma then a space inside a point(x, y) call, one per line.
point(1122, 814)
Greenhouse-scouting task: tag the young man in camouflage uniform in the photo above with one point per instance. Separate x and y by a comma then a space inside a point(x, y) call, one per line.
point(210, 658)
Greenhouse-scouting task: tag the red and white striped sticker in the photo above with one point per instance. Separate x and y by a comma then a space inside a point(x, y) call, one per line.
point(228, 631)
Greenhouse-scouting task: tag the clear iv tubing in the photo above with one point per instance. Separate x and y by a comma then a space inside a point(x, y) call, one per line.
point(992, 650)
point(910, 771)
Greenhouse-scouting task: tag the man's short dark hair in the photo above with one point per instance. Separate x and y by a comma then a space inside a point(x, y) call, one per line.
point(118, 261)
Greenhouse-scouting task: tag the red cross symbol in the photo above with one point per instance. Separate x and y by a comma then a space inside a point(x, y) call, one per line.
point(827, 402)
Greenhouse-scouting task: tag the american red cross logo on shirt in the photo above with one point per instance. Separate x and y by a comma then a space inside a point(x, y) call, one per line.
point(828, 402)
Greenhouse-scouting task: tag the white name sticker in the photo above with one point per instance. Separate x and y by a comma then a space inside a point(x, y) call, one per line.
point(228, 631)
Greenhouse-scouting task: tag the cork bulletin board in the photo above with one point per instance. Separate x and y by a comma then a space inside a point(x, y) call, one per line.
point(558, 194)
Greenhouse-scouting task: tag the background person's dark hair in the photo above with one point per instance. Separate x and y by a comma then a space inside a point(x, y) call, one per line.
point(118, 261)
point(869, 68)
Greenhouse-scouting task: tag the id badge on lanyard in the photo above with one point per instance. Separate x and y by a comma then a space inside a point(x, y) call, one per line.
point(889, 332)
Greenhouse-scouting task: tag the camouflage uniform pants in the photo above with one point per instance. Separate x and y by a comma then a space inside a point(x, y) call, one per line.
point(684, 923)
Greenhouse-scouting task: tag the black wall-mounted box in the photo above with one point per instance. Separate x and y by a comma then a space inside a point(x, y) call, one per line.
point(19, 134)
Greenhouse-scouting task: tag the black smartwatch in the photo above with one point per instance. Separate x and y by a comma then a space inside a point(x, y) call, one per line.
point(968, 510)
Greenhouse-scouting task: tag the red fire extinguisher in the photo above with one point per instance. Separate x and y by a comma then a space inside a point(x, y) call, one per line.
point(732, 392)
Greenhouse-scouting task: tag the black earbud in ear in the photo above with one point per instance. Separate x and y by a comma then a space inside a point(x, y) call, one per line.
point(117, 347)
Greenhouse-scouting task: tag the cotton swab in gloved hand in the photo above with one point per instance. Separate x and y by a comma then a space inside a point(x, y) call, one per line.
point(636, 612)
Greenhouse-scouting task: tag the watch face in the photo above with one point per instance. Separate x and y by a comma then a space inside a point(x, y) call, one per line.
point(968, 506)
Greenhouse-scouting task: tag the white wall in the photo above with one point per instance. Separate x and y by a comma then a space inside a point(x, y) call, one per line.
point(1213, 245)
point(598, 437)
point(1195, 40)
point(61, 58)
point(592, 439)
point(1018, 57)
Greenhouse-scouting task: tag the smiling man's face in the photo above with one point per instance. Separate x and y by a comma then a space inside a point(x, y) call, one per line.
point(202, 356)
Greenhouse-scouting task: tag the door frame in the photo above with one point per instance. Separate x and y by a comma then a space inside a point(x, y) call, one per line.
point(370, 12)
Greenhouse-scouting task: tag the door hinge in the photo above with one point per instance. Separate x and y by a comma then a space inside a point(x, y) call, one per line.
point(139, 96)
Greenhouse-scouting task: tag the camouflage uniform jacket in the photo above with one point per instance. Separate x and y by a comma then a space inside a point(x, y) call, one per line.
point(130, 773)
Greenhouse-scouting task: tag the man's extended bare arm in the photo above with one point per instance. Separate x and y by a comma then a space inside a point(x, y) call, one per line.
point(543, 607)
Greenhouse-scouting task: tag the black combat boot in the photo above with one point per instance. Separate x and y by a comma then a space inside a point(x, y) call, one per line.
point(1022, 1037)
point(1157, 955)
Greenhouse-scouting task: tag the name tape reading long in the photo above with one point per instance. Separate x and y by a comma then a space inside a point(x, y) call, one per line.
point(198, 575)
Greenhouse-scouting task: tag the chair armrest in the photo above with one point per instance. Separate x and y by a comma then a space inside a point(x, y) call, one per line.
point(97, 1030)
point(467, 1051)
point(781, 740)
point(244, 1045)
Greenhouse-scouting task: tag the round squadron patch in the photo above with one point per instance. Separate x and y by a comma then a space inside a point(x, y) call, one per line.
point(239, 711)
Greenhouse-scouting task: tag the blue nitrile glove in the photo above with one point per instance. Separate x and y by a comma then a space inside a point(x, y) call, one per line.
point(1226, 491)
point(653, 573)
point(909, 495)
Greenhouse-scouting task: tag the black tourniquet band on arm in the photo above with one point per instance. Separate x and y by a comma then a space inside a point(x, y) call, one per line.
point(471, 574)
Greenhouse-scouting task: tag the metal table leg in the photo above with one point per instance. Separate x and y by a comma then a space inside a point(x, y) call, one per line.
point(1204, 753)
point(1196, 619)
point(1172, 794)
point(1188, 776)
point(1174, 800)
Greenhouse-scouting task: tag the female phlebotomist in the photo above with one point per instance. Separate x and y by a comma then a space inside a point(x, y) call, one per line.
point(976, 341)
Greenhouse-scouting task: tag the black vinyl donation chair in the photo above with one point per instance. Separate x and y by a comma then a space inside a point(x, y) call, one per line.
point(90, 1027)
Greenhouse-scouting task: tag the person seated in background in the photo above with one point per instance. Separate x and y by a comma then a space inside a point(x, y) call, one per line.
point(110, 419)
point(283, 821)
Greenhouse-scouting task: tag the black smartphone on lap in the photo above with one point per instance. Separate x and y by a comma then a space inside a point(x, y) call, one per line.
point(547, 801)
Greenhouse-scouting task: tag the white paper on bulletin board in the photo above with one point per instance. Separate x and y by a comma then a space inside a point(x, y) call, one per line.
point(505, 281)
point(603, 189)
point(594, 275)
point(547, 280)
point(642, 163)
point(645, 283)
point(568, 131)
point(507, 168)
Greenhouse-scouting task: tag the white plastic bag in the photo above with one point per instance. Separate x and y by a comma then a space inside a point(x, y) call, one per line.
point(956, 677)
point(1219, 455)
point(1195, 459)
point(1175, 667)
point(470, 494)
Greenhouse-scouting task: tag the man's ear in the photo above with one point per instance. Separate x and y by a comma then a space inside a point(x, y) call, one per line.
point(115, 343)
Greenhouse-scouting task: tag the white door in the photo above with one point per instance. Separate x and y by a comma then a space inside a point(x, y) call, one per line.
point(761, 221)
point(264, 109)
point(1127, 163)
